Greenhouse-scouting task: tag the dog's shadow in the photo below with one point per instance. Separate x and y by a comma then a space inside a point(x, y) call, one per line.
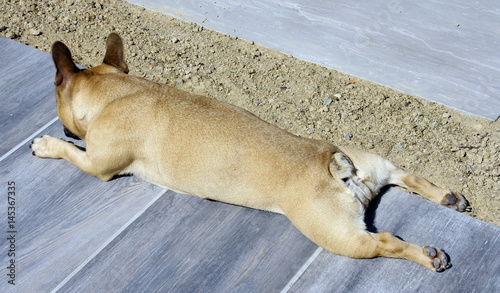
point(371, 211)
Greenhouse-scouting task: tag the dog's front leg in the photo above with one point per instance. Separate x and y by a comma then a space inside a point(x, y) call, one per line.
point(55, 148)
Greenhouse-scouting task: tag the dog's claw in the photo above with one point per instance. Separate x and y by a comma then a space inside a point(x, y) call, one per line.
point(456, 201)
point(439, 260)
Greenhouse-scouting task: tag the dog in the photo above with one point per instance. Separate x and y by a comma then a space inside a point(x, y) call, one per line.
point(199, 146)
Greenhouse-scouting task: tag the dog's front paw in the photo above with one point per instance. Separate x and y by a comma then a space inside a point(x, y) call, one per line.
point(46, 147)
point(456, 201)
point(438, 259)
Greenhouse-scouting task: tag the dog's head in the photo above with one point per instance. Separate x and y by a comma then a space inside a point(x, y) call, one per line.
point(82, 93)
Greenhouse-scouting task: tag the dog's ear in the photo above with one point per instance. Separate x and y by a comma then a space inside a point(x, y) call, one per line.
point(115, 53)
point(65, 67)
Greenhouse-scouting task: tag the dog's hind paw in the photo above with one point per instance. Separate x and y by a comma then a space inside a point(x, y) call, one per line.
point(438, 258)
point(456, 201)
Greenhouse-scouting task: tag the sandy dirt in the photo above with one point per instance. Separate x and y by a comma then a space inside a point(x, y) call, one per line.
point(450, 149)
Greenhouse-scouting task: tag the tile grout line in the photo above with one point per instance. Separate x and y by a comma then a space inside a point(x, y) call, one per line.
point(37, 132)
point(107, 242)
point(301, 271)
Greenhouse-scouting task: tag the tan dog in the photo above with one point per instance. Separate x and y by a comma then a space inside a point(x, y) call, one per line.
point(199, 146)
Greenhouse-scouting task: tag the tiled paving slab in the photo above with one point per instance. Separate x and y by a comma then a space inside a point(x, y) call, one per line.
point(186, 244)
point(26, 91)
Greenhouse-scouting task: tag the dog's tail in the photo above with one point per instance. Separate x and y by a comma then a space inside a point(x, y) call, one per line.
point(341, 167)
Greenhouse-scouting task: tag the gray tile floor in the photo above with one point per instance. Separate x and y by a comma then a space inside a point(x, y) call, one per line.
point(75, 233)
point(445, 52)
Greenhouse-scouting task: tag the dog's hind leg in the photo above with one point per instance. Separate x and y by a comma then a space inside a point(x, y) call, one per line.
point(428, 190)
point(368, 245)
point(336, 224)
point(377, 172)
point(102, 165)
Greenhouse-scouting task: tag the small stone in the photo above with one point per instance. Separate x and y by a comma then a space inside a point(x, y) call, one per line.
point(11, 35)
point(338, 96)
point(478, 126)
point(174, 40)
point(446, 115)
point(35, 32)
point(208, 71)
point(327, 101)
point(348, 136)
point(3, 28)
